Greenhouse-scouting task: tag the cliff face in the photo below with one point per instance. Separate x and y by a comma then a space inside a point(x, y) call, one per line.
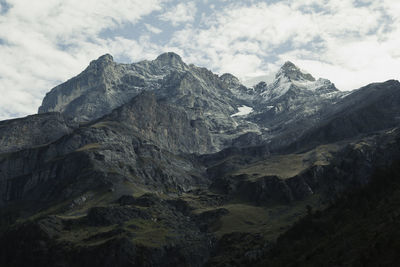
point(35, 130)
point(160, 163)
point(105, 85)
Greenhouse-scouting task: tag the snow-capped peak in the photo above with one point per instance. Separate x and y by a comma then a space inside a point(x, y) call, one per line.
point(293, 73)
point(290, 76)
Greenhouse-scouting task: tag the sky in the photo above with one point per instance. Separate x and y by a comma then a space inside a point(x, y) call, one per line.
point(45, 42)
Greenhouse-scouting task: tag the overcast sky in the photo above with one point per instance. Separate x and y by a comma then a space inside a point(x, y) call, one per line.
point(45, 42)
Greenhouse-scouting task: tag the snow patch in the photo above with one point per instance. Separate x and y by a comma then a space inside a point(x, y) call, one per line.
point(243, 110)
point(346, 94)
point(277, 89)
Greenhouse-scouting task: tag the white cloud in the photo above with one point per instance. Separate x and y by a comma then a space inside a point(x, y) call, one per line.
point(153, 29)
point(352, 64)
point(48, 41)
point(342, 39)
point(182, 12)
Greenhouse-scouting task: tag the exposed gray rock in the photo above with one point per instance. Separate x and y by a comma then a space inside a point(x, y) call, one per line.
point(292, 72)
point(247, 95)
point(291, 104)
point(31, 131)
point(371, 108)
point(205, 99)
point(168, 126)
point(105, 154)
point(105, 85)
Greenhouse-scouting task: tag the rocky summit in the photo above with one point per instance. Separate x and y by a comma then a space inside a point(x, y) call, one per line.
point(161, 163)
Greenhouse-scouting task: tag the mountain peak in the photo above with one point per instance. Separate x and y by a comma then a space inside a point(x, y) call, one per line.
point(291, 77)
point(292, 72)
point(288, 65)
point(230, 79)
point(102, 61)
point(170, 58)
point(106, 57)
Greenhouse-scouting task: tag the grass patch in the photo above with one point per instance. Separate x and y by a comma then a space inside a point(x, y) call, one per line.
point(149, 233)
point(79, 234)
point(53, 209)
point(269, 221)
point(89, 147)
point(104, 124)
point(286, 166)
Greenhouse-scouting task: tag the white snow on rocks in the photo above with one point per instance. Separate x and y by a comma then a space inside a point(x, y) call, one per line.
point(243, 110)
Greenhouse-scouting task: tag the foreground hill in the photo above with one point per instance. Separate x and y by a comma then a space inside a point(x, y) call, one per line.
point(360, 229)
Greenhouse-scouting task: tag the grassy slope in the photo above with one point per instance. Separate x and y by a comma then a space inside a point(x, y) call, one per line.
point(286, 166)
point(361, 229)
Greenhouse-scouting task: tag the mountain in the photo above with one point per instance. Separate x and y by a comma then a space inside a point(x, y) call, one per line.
point(104, 85)
point(291, 80)
point(161, 163)
point(294, 102)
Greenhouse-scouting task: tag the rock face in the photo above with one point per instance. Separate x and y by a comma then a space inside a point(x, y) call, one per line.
point(160, 163)
point(168, 126)
point(105, 85)
point(33, 131)
point(371, 108)
point(291, 80)
point(294, 102)
point(327, 174)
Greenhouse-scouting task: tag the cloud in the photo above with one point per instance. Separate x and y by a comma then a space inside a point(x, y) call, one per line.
point(183, 12)
point(49, 41)
point(153, 29)
point(336, 39)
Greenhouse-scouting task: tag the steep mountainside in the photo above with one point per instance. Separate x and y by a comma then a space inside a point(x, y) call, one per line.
point(292, 103)
point(106, 85)
point(160, 163)
point(361, 229)
point(371, 108)
point(32, 131)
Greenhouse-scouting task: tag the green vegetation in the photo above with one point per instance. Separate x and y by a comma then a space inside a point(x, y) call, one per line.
point(286, 166)
point(89, 147)
point(267, 221)
point(361, 229)
point(80, 235)
point(146, 232)
point(293, 164)
point(149, 233)
point(104, 124)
